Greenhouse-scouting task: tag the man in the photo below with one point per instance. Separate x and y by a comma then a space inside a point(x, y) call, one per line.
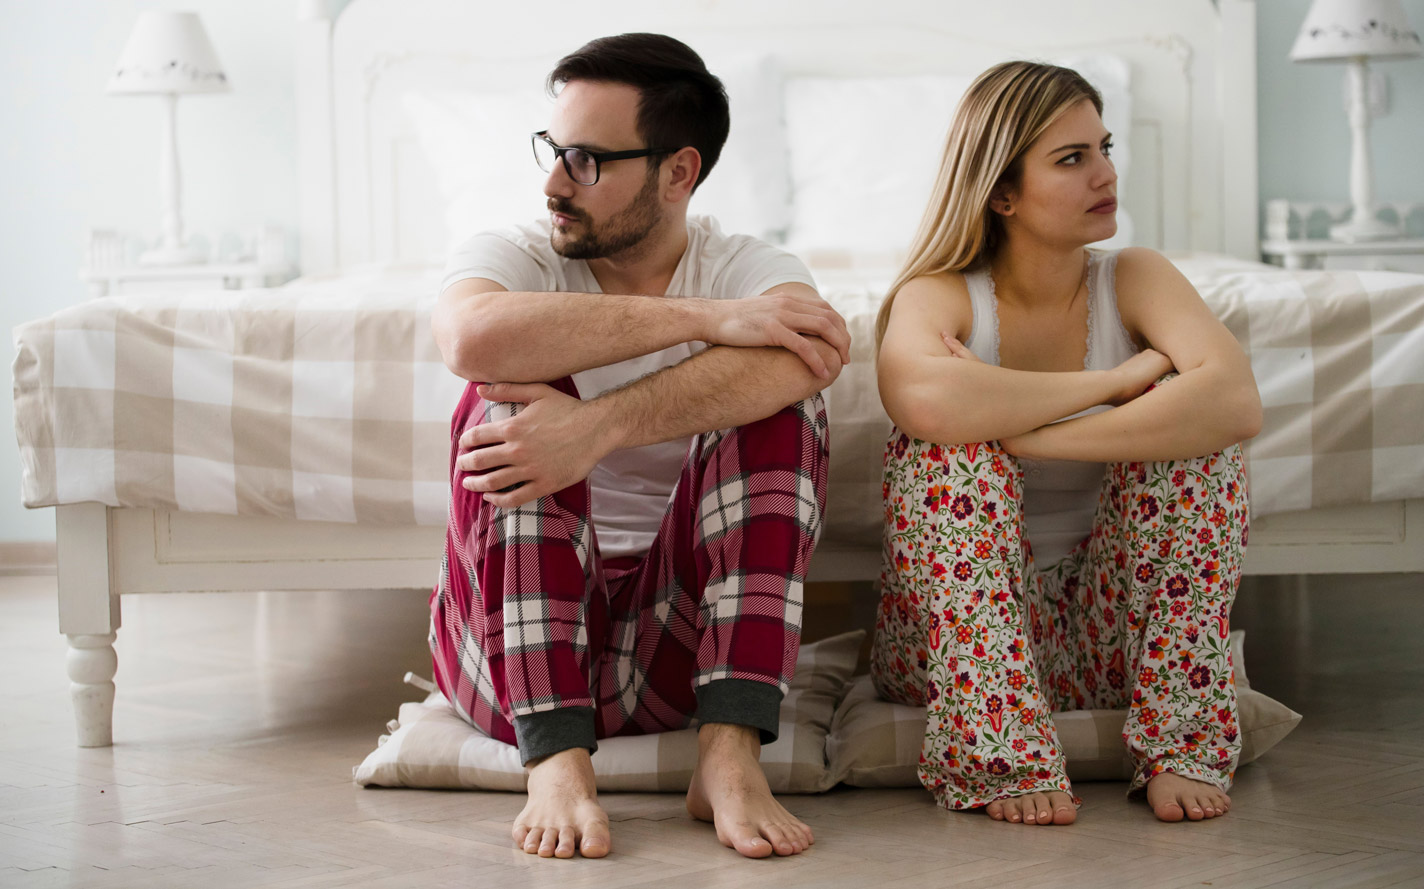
point(639, 464)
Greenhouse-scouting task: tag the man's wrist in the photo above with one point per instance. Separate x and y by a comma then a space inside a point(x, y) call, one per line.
point(697, 316)
point(607, 425)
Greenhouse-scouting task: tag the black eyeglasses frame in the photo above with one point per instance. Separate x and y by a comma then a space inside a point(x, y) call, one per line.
point(599, 157)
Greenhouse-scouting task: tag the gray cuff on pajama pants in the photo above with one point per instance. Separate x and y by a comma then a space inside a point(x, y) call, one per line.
point(551, 731)
point(741, 702)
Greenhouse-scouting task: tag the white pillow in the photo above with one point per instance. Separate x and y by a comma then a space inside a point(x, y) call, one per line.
point(749, 191)
point(864, 153)
point(478, 148)
point(874, 743)
point(429, 746)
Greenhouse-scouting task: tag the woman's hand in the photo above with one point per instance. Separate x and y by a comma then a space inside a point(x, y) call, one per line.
point(958, 349)
point(1135, 374)
point(1013, 444)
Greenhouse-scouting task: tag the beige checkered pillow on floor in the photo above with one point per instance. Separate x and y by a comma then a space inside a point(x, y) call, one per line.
point(875, 743)
point(431, 747)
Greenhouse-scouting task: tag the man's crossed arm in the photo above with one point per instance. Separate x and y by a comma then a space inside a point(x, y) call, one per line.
point(769, 351)
point(484, 333)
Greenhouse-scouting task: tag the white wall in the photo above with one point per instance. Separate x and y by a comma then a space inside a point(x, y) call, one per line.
point(74, 158)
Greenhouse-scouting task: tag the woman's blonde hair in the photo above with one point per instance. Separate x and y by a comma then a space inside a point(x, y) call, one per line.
point(1001, 114)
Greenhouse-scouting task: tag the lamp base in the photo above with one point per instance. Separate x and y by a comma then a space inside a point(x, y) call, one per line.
point(171, 256)
point(1366, 229)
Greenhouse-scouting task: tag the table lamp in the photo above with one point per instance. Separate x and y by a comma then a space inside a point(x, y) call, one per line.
point(168, 54)
point(1356, 31)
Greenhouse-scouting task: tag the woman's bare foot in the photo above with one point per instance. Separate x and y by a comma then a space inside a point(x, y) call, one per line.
point(1053, 807)
point(563, 814)
point(730, 790)
point(1174, 797)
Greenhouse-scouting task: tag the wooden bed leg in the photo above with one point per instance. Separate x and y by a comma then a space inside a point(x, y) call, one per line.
point(89, 616)
point(92, 663)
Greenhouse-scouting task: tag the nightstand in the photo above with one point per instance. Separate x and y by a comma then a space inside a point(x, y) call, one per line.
point(1295, 239)
point(261, 263)
point(1402, 255)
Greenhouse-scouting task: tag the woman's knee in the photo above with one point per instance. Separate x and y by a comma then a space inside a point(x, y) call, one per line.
point(959, 486)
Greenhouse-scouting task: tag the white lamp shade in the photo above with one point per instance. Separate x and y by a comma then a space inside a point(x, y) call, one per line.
point(168, 52)
point(1347, 29)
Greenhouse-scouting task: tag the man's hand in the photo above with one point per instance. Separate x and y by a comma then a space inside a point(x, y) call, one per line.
point(779, 319)
point(555, 441)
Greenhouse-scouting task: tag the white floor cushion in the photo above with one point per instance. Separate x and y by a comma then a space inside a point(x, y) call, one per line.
point(875, 743)
point(431, 747)
point(833, 729)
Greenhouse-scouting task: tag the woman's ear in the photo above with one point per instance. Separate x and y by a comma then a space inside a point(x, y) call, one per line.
point(682, 169)
point(1001, 200)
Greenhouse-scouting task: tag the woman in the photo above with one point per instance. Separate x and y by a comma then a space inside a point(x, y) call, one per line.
point(1065, 490)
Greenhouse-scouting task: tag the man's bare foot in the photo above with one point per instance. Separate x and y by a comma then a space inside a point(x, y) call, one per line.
point(730, 790)
point(1053, 807)
point(563, 814)
point(1174, 797)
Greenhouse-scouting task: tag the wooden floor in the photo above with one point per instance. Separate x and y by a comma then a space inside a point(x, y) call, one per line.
point(240, 716)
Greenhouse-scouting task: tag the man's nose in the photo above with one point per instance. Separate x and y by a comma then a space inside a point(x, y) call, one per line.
point(558, 184)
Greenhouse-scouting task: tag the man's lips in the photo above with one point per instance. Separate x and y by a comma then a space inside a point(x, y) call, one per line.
point(1106, 205)
point(563, 215)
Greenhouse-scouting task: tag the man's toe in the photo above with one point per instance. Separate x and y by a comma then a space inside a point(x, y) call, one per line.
point(548, 842)
point(567, 844)
point(596, 842)
point(747, 841)
point(778, 839)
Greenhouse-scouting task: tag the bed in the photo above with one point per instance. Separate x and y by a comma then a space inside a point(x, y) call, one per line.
point(295, 438)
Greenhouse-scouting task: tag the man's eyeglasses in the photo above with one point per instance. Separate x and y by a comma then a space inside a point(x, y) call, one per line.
point(582, 165)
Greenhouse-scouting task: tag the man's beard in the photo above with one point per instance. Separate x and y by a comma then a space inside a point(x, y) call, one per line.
point(622, 231)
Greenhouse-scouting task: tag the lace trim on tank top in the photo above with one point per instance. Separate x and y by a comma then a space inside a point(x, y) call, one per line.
point(988, 277)
point(1105, 268)
point(1101, 267)
point(1090, 273)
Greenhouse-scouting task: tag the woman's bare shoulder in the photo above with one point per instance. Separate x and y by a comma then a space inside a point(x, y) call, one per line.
point(937, 294)
point(933, 303)
point(1137, 266)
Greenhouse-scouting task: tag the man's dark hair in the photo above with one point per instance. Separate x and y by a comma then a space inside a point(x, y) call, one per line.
point(682, 103)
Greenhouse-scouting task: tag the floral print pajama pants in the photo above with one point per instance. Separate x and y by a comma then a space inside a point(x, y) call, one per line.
point(1134, 617)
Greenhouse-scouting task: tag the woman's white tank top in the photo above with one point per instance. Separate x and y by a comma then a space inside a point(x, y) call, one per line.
point(1060, 496)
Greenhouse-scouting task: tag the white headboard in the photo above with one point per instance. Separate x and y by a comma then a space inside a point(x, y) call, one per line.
point(367, 195)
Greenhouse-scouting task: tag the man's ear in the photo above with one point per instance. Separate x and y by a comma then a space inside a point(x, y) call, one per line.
point(680, 172)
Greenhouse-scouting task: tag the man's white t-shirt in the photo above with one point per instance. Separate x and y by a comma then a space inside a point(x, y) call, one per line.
point(630, 488)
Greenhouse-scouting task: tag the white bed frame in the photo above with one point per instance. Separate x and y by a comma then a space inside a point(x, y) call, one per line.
point(367, 197)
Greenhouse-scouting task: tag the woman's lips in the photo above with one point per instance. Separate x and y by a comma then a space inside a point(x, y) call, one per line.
point(1105, 206)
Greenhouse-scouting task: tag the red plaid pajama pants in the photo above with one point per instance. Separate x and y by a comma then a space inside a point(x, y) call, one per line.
point(527, 618)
